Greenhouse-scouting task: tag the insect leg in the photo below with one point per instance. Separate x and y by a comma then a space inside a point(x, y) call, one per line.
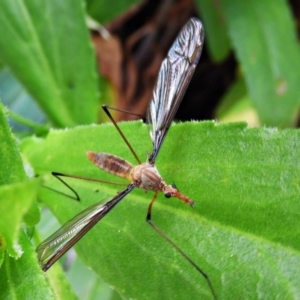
point(121, 110)
point(105, 108)
point(149, 220)
point(58, 176)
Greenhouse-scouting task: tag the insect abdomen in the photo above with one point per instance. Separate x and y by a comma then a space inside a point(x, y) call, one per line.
point(111, 164)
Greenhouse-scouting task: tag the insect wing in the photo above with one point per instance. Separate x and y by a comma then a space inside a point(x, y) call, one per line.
point(173, 79)
point(64, 238)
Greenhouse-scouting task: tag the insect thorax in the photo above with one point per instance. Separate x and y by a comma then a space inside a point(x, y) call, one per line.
point(147, 177)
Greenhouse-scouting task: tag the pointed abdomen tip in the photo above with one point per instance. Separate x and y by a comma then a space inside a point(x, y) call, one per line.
point(91, 155)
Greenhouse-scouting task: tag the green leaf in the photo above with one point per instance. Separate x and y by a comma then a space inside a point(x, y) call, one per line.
point(20, 277)
point(47, 47)
point(245, 183)
point(15, 201)
point(99, 9)
point(16, 194)
point(264, 38)
point(11, 170)
point(215, 29)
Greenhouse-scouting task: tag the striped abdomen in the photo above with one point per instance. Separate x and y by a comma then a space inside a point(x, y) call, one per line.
point(111, 164)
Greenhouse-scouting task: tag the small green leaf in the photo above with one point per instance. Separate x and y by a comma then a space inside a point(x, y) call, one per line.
point(22, 278)
point(17, 194)
point(245, 183)
point(47, 46)
point(11, 170)
point(15, 201)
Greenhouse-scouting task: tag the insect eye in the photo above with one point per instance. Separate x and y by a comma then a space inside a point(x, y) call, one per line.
point(174, 186)
point(168, 195)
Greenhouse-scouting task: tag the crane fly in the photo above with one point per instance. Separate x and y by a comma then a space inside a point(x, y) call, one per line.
point(173, 79)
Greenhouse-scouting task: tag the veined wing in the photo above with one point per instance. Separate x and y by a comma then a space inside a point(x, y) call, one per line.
point(173, 79)
point(64, 238)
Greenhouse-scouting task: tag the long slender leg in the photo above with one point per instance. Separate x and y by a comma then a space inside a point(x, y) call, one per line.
point(105, 108)
point(123, 110)
point(59, 175)
point(149, 220)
